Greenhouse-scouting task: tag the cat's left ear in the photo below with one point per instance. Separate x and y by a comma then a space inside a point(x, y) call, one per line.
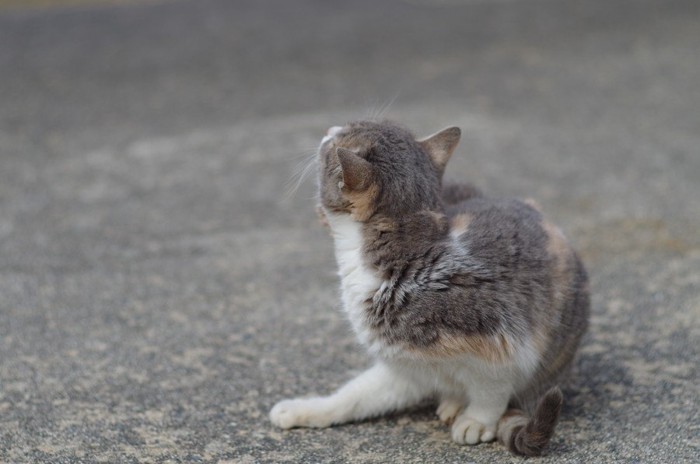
point(357, 172)
point(441, 145)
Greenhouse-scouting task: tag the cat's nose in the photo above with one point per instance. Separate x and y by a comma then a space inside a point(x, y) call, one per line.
point(332, 131)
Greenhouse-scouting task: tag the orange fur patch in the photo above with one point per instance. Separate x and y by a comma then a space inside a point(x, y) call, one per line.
point(533, 203)
point(459, 224)
point(362, 203)
point(495, 349)
point(562, 255)
point(540, 338)
point(512, 413)
point(562, 276)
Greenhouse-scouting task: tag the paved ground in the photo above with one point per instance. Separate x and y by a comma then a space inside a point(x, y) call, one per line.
point(159, 292)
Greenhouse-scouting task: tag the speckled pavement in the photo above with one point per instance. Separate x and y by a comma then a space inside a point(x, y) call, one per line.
point(160, 290)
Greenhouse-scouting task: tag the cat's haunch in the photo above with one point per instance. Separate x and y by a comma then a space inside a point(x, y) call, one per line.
point(478, 302)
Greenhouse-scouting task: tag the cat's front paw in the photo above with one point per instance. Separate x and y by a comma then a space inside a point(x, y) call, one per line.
point(469, 431)
point(300, 413)
point(448, 409)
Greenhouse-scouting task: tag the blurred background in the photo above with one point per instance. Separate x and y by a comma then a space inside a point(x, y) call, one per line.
point(161, 289)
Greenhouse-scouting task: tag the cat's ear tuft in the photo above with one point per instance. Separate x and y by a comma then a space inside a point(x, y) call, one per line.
point(357, 171)
point(441, 145)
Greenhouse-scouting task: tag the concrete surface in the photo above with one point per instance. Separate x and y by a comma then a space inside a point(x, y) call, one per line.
point(159, 292)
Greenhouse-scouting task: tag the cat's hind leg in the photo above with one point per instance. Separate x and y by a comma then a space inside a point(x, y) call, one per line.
point(376, 391)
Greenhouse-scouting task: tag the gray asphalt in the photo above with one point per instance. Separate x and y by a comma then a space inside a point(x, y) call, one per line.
point(160, 290)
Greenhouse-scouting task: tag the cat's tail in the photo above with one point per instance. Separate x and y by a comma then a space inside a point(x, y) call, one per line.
point(528, 436)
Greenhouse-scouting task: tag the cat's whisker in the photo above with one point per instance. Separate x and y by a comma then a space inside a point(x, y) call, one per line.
point(370, 112)
point(301, 171)
point(376, 111)
point(305, 152)
point(383, 109)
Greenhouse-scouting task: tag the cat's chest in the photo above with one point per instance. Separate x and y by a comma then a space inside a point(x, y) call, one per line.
point(359, 282)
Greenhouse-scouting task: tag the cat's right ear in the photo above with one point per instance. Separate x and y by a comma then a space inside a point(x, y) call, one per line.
point(357, 171)
point(441, 145)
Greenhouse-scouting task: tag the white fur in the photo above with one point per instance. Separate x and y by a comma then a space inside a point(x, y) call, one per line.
point(380, 389)
point(357, 281)
point(332, 132)
point(473, 392)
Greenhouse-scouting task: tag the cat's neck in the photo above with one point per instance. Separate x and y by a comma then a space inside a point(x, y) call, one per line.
point(348, 238)
point(382, 240)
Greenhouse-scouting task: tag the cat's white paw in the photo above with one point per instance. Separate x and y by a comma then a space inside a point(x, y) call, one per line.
point(300, 413)
point(467, 430)
point(448, 409)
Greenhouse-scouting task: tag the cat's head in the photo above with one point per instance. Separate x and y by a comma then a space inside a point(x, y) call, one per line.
point(369, 167)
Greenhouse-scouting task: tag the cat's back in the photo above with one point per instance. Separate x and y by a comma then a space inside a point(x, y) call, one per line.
point(527, 255)
point(535, 272)
point(509, 234)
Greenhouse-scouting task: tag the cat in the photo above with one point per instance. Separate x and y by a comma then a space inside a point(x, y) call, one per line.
point(477, 302)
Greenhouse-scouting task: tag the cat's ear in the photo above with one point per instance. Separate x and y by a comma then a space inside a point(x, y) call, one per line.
point(441, 145)
point(357, 172)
